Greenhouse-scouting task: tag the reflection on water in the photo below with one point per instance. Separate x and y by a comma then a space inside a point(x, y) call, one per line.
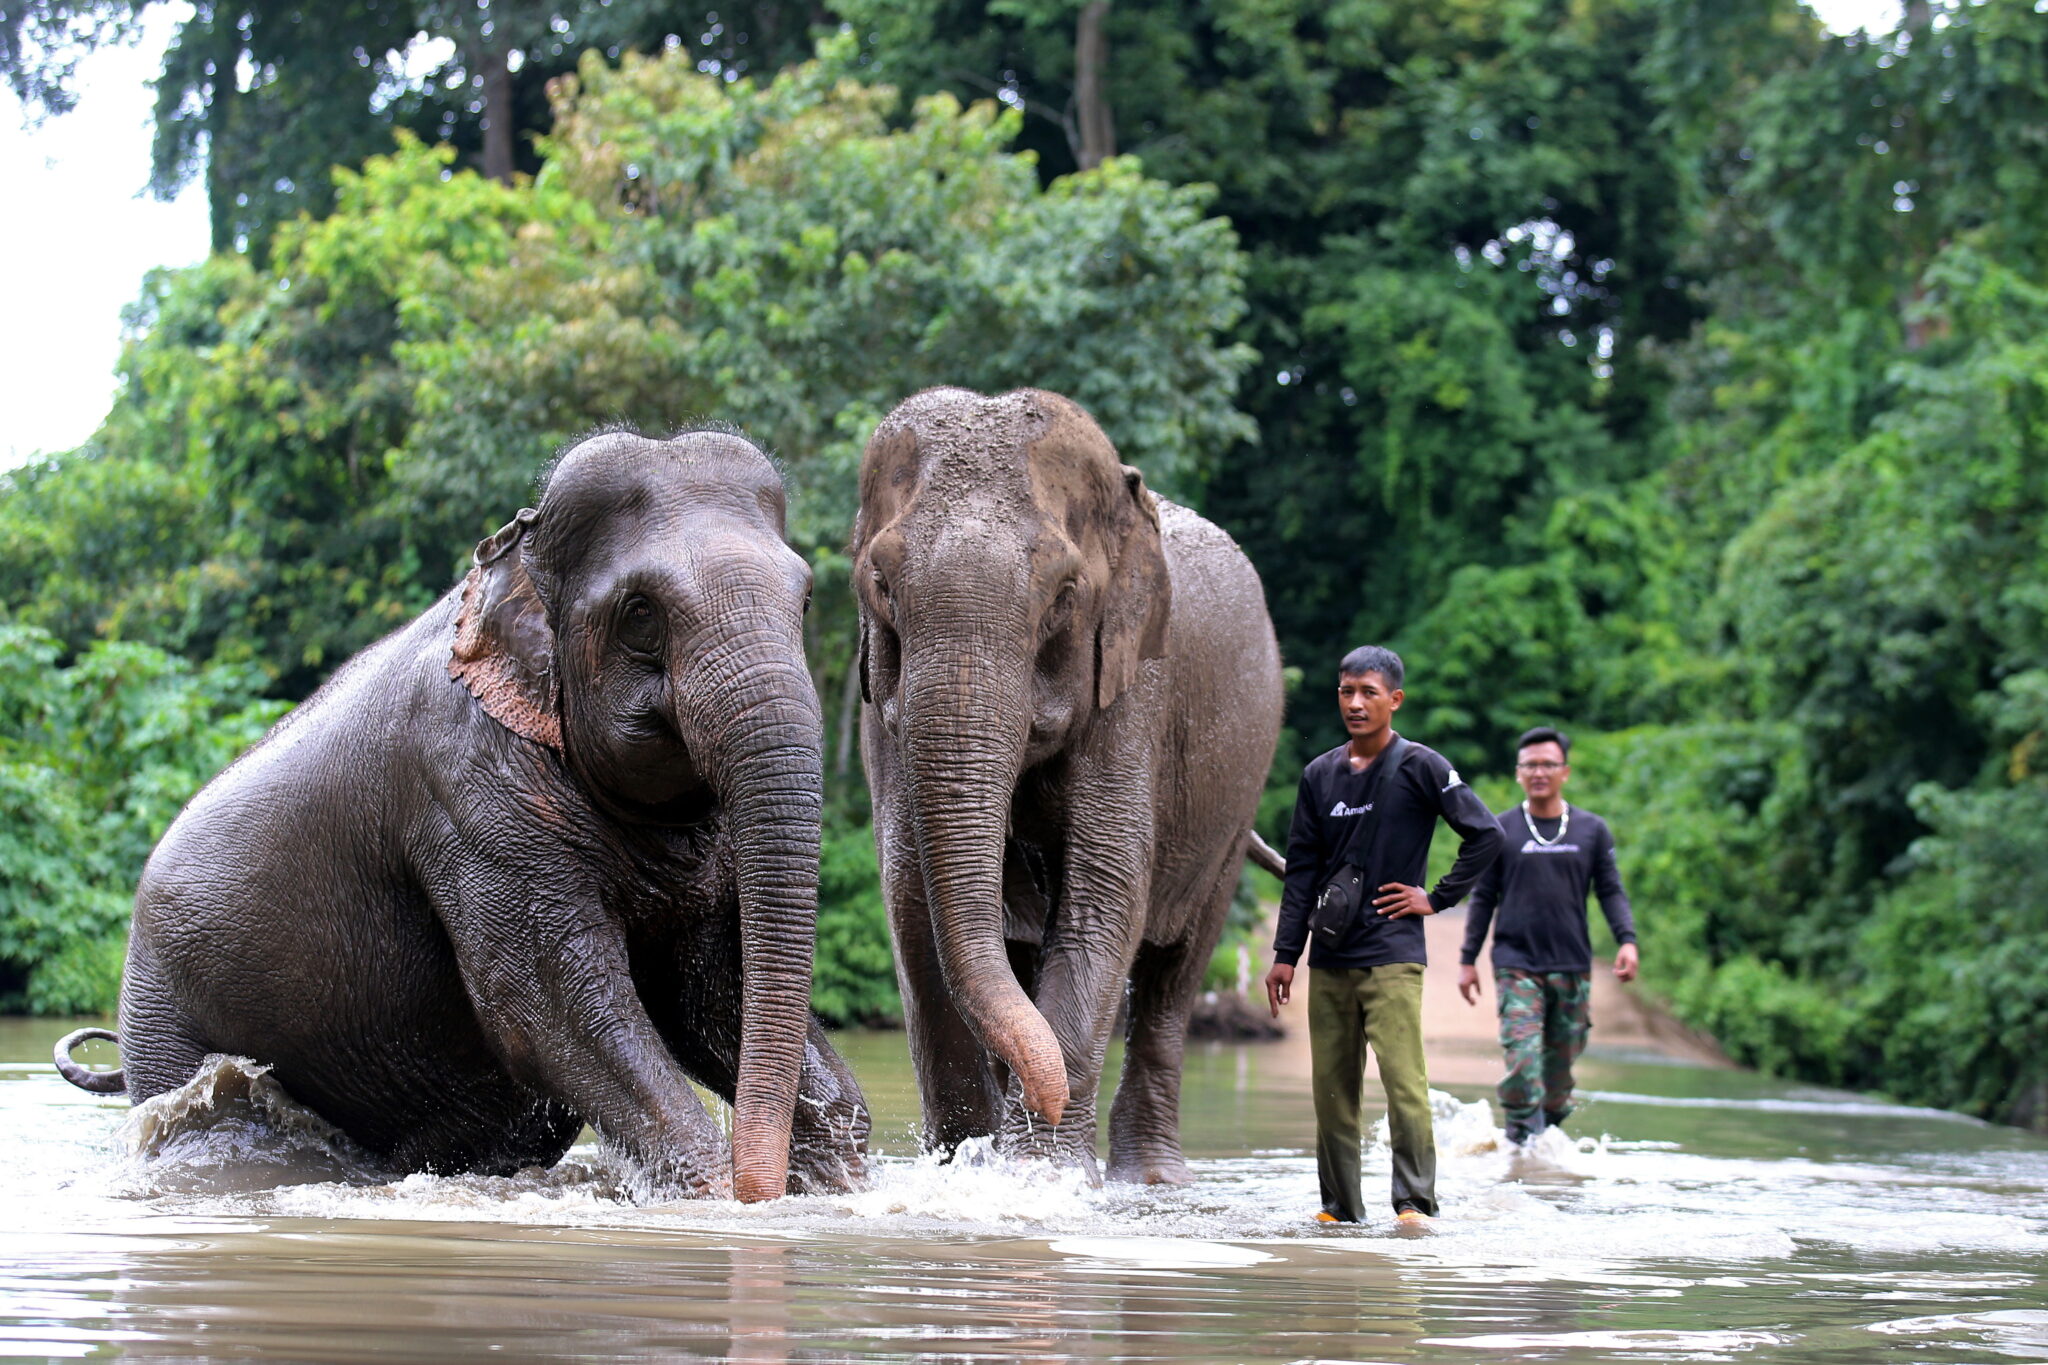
point(1695, 1215)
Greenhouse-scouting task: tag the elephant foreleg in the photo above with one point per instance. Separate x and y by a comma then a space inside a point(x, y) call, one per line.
point(1144, 1120)
point(956, 1077)
point(828, 1149)
point(553, 990)
point(696, 1004)
point(1081, 975)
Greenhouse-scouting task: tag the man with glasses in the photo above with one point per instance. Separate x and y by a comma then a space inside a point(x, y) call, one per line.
point(1534, 897)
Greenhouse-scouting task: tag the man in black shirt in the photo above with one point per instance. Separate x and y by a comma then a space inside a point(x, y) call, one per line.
point(1542, 956)
point(1359, 823)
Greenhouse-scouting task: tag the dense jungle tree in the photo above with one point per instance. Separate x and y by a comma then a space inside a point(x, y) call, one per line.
point(304, 449)
point(262, 98)
point(1666, 369)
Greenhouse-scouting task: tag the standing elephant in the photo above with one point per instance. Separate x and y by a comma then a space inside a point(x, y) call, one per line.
point(538, 859)
point(1072, 697)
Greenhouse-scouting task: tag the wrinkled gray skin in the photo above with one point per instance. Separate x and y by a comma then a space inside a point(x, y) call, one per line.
point(1073, 697)
point(536, 859)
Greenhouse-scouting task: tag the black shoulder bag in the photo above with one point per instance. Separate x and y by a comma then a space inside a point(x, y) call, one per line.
point(1343, 896)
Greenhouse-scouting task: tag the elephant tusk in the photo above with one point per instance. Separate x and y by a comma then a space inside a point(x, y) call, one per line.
point(1260, 854)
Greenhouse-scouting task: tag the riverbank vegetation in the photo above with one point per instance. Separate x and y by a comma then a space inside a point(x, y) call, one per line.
point(1673, 372)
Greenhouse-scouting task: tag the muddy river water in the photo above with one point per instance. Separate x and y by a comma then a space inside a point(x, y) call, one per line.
point(1697, 1214)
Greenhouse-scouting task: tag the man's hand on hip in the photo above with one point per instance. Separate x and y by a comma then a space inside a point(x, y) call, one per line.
point(1396, 901)
point(1279, 983)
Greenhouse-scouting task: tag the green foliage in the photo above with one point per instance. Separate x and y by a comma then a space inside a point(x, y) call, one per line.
point(1464, 232)
point(826, 261)
point(303, 451)
point(1836, 890)
point(854, 980)
point(308, 449)
point(1669, 371)
point(95, 760)
point(1957, 995)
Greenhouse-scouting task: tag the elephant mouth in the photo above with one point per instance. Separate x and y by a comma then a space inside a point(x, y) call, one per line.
point(682, 811)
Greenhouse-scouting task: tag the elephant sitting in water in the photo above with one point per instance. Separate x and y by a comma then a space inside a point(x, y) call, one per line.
point(538, 859)
point(1073, 695)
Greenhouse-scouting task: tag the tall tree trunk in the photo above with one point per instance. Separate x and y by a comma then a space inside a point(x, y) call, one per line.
point(220, 127)
point(1917, 22)
point(1097, 132)
point(498, 111)
point(849, 704)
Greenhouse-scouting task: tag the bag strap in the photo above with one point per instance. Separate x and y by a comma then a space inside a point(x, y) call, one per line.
point(1383, 768)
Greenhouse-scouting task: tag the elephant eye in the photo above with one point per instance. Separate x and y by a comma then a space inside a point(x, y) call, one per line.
point(640, 625)
point(1056, 615)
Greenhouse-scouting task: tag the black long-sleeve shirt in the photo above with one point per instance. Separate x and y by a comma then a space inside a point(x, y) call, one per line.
point(1331, 823)
point(1540, 892)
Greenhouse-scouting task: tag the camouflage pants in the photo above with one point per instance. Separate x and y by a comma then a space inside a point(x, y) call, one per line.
point(1544, 1019)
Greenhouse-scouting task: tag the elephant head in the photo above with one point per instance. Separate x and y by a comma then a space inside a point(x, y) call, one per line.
point(645, 624)
point(1012, 581)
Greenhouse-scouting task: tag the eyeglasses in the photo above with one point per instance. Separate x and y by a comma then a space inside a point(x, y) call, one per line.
point(1538, 767)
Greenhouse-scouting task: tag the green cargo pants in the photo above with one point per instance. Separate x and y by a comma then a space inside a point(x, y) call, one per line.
point(1349, 1008)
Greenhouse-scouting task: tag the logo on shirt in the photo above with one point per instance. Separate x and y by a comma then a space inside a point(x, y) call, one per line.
point(1531, 846)
point(1340, 809)
point(1456, 781)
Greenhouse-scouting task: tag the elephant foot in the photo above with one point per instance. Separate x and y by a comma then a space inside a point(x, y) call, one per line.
point(828, 1148)
point(828, 1152)
point(674, 1176)
point(662, 1187)
point(1150, 1169)
point(840, 1170)
point(1071, 1144)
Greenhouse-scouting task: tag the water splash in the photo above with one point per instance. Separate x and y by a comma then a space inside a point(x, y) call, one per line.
point(233, 1143)
point(1463, 1128)
point(2022, 1333)
point(231, 1128)
point(978, 1186)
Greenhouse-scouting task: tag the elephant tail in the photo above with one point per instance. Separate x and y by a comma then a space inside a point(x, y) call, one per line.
point(1262, 855)
point(98, 1082)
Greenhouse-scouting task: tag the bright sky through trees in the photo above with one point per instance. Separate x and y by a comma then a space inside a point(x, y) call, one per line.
point(80, 234)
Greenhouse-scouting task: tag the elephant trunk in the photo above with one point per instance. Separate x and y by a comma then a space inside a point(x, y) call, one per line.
point(965, 721)
point(768, 771)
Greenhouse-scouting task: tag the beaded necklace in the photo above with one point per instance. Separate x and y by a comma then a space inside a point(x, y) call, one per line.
point(1564, 822)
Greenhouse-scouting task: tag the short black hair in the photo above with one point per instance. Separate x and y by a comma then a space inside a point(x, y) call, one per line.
point(1544, 734)
point(1372, 659)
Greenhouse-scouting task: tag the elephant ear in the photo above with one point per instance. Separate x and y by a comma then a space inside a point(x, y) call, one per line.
point(504, 652)
point(1139, 605)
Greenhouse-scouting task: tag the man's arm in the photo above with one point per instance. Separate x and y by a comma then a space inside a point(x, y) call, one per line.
point(1479, 912)
point(1614, 903)
point(1479, 844)
point(1478, 919)
point(1304, 867)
